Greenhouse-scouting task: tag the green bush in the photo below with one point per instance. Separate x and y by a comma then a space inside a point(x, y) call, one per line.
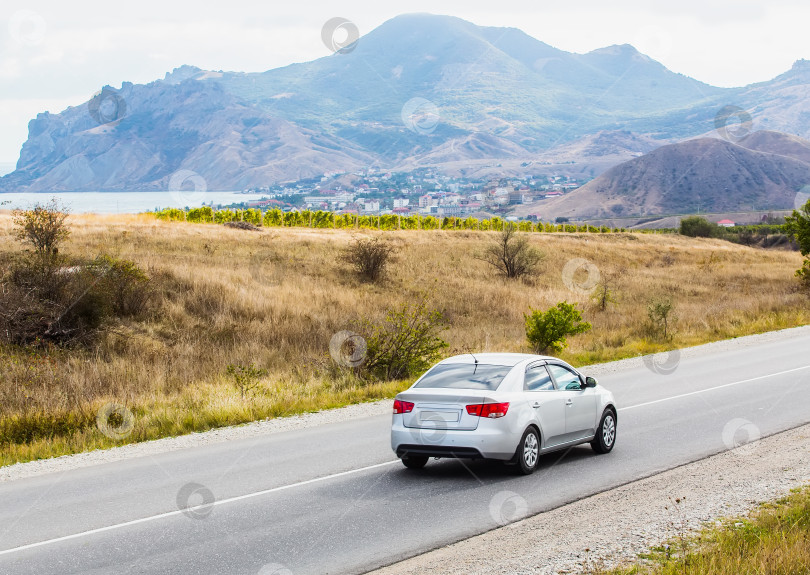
point(171, 215)
point(798, 226)
point(547, 330)
point(406, 344)
point(697, 227)
point(203, 215)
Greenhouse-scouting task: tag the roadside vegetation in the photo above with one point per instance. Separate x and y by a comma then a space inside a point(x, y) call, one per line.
point(798, 225)
point(774, 233)
point(206, 326)
point(774, 540)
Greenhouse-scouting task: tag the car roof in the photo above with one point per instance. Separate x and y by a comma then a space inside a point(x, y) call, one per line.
point(508, 359)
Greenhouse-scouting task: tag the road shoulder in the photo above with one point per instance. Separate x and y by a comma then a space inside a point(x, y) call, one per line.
point(616, 525)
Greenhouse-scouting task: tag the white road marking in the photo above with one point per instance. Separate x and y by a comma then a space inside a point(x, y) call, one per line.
point(188, 509)
point(713, 388)
point(333, 476)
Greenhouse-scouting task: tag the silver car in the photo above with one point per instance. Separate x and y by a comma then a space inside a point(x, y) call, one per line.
point(507, 406)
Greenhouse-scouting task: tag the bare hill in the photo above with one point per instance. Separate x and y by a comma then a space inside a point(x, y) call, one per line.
point(764, 171)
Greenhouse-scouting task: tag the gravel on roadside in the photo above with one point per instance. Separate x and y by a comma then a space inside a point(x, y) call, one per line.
point(279, 425)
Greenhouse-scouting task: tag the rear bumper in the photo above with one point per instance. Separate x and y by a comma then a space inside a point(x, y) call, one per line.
point(439, 451)
point(489, 441)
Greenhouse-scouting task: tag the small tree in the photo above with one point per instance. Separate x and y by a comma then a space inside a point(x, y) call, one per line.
point(603, 292)
point(798, 226)
point(246, 377)
point(369, 257)
point(406, 344)
point(660, 311)
point(547, 330)
point(43, 226)
point(511, 254)
point(697, 227)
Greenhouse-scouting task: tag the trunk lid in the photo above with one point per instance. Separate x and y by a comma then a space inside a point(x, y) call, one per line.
point(443, 408)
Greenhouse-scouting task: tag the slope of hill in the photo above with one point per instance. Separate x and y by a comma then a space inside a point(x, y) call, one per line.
point(490, 93)
point(700, 175)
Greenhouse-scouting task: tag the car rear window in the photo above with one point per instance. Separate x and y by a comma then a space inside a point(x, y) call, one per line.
point(465, 376)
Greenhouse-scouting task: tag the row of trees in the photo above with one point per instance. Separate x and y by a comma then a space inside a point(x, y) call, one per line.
point(325, 220)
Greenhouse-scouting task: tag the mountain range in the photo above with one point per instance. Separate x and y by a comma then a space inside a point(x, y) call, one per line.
point(420, 90)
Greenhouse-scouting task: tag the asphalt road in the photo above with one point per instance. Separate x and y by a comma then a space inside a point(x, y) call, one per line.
point(333, 499)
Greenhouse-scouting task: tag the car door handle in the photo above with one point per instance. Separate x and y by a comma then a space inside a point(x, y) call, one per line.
point(569, 402)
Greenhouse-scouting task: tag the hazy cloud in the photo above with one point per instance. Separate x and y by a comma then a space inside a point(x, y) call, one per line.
point(58, 52)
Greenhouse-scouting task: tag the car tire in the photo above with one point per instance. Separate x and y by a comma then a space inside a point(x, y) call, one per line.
point(606, 433)
point(414, 461)
point(527, 454)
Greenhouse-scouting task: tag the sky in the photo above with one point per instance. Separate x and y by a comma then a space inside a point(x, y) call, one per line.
point(54, 54)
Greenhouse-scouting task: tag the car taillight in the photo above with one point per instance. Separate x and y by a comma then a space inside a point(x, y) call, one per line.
point(402, 406)
point(491, 410)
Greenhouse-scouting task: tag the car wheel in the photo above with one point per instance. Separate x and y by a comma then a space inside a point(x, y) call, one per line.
point(527, 454)
point(606, 433)
point(414, 461)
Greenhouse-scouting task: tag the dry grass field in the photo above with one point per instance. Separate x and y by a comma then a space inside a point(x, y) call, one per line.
point(275, 298)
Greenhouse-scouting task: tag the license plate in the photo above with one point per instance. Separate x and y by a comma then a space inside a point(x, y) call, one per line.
point(444, 416)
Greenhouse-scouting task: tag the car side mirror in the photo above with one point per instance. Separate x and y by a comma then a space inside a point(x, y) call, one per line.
point(590, 382)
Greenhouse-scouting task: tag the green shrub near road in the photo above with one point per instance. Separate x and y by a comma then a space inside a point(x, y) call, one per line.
point(547, 330)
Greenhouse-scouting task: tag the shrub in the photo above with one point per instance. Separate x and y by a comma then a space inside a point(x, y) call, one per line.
point(123, 285)
point(660, 312)
point(43, 226)
point(698, 227)
point(246, 377)
point(203, 215)
point(798, 226)
point(406, 344)
point(369, 257)
point(547, 330)
point(62, 301)
point(511, 254)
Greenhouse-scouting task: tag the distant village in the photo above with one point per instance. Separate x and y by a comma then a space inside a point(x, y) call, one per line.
point(423, 192)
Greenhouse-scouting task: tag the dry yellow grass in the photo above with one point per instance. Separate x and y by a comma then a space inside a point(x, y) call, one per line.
point(275, 298)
